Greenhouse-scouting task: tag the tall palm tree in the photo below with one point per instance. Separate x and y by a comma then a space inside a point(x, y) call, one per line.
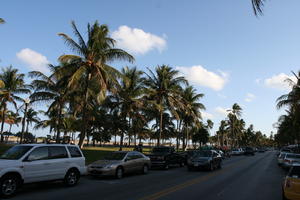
point(191, 110)
point(89, 68)
point(14, 85)
point(163, 91)
point(222, 133)
point(50, 89)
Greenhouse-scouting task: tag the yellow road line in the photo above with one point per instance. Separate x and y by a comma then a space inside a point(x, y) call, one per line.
point(181, 186)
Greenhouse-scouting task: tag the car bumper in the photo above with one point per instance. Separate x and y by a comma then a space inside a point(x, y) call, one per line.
point(102, 172)
point(158, 164)
point(199, 165)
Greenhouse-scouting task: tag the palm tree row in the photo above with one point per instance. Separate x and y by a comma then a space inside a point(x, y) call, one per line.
point(288, 125)
point(86, 94)
point(233, 132)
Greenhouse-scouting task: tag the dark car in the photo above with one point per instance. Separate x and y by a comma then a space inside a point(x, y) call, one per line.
point(249, 151)
point(261, 150)
point(164, 157)
point(205, 159)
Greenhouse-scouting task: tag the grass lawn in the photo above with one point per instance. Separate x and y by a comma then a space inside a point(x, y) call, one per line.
point(91, 153)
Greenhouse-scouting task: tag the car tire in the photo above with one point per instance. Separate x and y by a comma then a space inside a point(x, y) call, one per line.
point(167, 166)
point(181, 164)
point(72, 177)
point(145, 169)
point(211, 167)
point(119, 173)
point(9, 185)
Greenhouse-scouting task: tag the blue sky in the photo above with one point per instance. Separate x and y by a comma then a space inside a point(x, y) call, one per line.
point(229, 54)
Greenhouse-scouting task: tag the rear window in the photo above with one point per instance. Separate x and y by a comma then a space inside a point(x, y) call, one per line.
point(57, 152)
point(295, 171)
point(74, 152)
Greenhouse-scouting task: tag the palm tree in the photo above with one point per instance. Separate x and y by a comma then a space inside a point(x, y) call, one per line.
point(31, 116)
point(234, 123)
point(89, 69)
point(191, 110)
point(13, 85)
point(2, 21)
point(163, 91)
point(222, 133)
point(50, 89)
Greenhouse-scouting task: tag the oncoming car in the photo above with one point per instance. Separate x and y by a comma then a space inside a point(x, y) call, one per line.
point(29, 163)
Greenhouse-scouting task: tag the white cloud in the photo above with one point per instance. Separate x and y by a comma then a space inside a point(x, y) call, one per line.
point(138, 41)
point(222, 96)
point(34, 60)
point(221, 111)
point(250, 97)
point(199, 75)
point(278, 81)
point(206, 115)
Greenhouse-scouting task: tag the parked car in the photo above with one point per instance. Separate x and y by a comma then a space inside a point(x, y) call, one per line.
point(280, 158)
point(205, 159)
point(30, 163)
point(236, 151)
point(290, 159)
point(249, 151)
point(119, 163)
point(291, 184)
point(164, 157)
point(261, 150)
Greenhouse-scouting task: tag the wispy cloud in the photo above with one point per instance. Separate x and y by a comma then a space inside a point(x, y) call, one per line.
point(279, 81)
point(221, 111)
point(250, 97)
point(34, 60)
point(206, 115)
point(203, 77)
point(137, 41)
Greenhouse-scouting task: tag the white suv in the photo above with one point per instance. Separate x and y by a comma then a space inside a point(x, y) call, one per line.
point(30, 163)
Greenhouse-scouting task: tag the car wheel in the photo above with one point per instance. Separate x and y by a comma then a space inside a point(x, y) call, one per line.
point(119, 173)
point(9, 185)
point(211, 167)
point(220, 165)
point(145, 169)
point(181, 164)
point(72, 177)
point(166, 167)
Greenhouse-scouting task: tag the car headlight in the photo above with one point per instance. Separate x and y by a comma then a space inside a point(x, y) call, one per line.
point(108, 166)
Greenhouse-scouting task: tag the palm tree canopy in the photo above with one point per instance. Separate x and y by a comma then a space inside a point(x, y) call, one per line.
point(257, 6)
point(2, 21)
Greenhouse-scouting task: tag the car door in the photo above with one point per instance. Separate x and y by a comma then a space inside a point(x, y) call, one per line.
point(140, 161)
point(59, 161)
point(130, 162)
point(37, 166)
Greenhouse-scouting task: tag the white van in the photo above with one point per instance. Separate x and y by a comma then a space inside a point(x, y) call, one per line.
point(28, 163)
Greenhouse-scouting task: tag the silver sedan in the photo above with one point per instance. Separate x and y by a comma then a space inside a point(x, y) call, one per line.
point(119, 163)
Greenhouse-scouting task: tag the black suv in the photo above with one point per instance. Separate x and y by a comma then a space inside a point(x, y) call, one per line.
point(165, 156)
point(249, 151)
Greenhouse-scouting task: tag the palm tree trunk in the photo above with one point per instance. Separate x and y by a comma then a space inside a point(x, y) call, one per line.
point(2, 123)
point(160, 127)
point(23, 123)
point(59, 124)
point(84, 121)
point(27, 126)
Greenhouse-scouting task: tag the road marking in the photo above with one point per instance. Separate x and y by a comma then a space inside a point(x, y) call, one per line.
point(186, 184)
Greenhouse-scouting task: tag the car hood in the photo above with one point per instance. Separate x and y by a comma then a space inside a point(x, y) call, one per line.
point(9, 163)
point(103, 163)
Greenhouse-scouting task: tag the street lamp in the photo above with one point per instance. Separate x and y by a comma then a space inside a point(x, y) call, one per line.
point(26, 103)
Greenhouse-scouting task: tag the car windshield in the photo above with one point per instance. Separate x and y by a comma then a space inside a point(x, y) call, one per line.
point(160, 150)
point(295, 171)
point(15, 152)
point(293, 156)
point(115, 156)
point(203, 154)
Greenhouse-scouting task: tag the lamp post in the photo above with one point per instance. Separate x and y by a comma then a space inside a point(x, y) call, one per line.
point(26, 103)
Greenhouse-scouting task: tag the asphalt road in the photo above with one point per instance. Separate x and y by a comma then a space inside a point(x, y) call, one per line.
point(241, 178)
